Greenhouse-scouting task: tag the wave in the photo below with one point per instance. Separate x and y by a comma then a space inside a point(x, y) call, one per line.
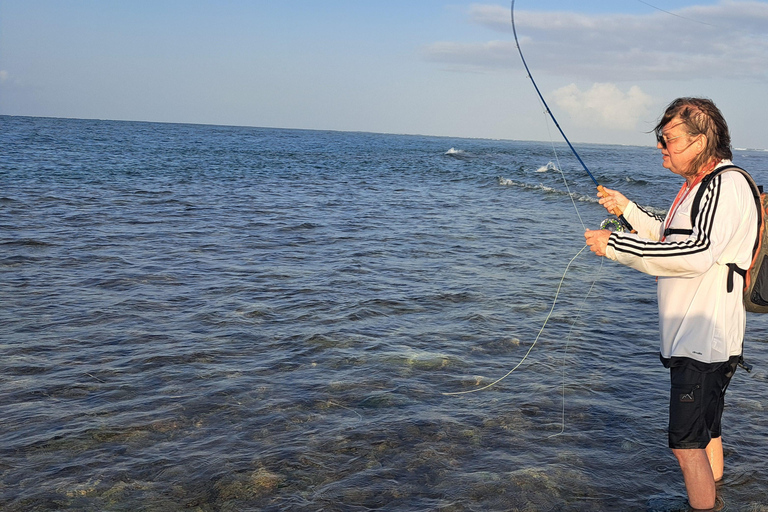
point(27, 242)
point(549, 167)
point(301, 227)
point(457, 153)
point(628, 179)
point(505, 182)
point(656, 211)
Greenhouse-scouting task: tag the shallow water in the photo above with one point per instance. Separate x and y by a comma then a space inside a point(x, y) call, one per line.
point(219, 318)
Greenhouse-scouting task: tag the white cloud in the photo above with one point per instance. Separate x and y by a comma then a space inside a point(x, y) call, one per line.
point(3, 76)
point(494, 17)
point(604, 105)
point(728, 39)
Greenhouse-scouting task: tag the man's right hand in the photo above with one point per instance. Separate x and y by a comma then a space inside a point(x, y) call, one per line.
point(612, 200)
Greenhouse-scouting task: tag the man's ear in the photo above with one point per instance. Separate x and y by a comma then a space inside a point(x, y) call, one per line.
point(701, 142)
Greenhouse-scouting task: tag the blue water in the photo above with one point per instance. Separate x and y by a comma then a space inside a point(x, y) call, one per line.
point(222, 319)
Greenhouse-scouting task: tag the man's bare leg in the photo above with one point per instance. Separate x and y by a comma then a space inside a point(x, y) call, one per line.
point(715, 456)
point(697, 473)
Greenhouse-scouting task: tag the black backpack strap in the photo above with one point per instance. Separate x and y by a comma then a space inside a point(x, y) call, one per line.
point(696, 200)
point(703, 187)
point(744, 364)
point(675, 231)
point(734, 268)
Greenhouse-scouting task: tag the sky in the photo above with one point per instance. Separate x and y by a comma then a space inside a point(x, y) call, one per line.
point(607, 69)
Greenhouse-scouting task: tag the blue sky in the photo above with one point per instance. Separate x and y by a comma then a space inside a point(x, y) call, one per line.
point(606, 68)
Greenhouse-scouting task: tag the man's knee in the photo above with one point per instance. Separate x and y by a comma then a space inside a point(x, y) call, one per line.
point(685, 456)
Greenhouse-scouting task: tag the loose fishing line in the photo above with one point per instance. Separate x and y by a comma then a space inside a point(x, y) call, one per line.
point(567, 342)
point(554, 302)
point(557, 292)
point(560, 170)
point(619, 225)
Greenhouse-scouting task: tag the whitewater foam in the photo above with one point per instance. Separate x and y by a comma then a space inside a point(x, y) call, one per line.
point(549, 167)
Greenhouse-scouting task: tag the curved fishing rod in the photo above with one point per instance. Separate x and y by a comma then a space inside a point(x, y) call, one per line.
point(626, 225)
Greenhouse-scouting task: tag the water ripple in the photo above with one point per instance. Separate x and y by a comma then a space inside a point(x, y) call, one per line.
point(221, 318)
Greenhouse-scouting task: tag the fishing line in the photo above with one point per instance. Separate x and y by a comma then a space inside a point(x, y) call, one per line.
point(554, 302)
point(620, 217)
point(676, 15)
point(568, 340)
point(560, 169)
point(562, 279)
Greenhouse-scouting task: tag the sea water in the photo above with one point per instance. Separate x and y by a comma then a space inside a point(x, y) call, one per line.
point(213, 318)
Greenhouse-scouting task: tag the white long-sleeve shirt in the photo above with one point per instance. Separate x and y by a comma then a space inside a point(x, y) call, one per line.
point(698, 318)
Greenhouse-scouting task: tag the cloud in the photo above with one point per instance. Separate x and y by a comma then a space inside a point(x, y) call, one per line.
point(472, 56)
point(494, 17)
point(3, 76)
point(728, 39)
point(604, 105)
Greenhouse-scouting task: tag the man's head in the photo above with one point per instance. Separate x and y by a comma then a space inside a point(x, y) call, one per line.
point(703, 129)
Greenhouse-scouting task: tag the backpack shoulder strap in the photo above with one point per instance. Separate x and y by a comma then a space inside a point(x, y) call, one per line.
point(697, 199)
point(733, 268)
point(709, 177)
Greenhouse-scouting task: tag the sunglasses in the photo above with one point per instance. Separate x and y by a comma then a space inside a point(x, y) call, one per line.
point(664, 140)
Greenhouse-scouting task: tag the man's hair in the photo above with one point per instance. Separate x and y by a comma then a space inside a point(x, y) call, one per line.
point(700, 116)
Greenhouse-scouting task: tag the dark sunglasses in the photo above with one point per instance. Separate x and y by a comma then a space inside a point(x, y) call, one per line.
point(663, 139)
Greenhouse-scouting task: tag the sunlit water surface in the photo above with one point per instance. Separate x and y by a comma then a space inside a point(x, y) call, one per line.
point(222, 319)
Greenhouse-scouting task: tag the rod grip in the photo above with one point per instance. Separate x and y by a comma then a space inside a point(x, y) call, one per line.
point(618, 213)
point(615, 211)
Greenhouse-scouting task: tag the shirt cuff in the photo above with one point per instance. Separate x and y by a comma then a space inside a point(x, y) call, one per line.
point(630, 209)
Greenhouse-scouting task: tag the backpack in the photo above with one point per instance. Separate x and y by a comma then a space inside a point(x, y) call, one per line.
point(756, 276)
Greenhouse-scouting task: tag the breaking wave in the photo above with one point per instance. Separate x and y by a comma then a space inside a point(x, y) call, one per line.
point(505, 182)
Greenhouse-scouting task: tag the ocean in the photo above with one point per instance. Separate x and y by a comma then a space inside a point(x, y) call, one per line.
point(212, 318)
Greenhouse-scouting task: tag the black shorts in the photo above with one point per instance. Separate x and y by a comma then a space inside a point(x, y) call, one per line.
point(696, 403)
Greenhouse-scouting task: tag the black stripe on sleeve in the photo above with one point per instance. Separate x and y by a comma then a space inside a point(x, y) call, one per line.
point(658, 217)
point(704, 222)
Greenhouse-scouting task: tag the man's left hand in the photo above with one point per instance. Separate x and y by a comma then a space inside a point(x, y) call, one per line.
point(597, 240)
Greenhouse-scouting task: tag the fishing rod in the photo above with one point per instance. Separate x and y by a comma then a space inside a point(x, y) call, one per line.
point(626, 226)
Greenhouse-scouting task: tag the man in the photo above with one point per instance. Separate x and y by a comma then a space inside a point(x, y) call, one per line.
point(701, 322)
